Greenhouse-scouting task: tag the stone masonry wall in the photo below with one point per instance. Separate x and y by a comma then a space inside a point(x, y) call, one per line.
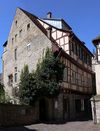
point(30, 45)
point(12, 115)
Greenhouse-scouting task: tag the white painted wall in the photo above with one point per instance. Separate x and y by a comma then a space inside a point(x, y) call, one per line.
point(97, 70)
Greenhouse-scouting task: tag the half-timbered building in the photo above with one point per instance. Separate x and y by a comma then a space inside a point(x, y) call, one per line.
point(28, 38)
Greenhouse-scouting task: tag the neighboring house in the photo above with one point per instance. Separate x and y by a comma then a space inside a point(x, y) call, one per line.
point(96, 63)
point(95, 100)
point(28, 38)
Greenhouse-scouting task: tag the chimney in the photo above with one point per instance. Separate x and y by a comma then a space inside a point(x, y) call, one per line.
point(49, 29)
point(49, 15)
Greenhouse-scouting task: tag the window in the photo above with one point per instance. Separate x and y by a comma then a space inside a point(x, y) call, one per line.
point(75, 48)
point(16, 22)
point(78, 50)
point(20, 33)
point(15, 77)
point(15, 69)
point(73, 77)
point(28, 26)
point(72, 47)
point(15, 54)
point(15, 74)
point(65, 76)
point(80, 53)
point(79, 104)
point(29, 46)
point(86, 59)
point(83, 55)
point(90, 62)
point(82, 104)
point(15, 37)
point(10, 80)
point(12, 40)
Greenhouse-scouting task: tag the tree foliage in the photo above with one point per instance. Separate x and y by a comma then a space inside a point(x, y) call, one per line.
point(25, 86)
point(44, 81)
point(2, 93)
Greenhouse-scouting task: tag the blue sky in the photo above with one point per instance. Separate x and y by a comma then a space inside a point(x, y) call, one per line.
point(82, 15)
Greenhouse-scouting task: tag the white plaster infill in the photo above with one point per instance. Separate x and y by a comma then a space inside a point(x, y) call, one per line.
point(95, 103)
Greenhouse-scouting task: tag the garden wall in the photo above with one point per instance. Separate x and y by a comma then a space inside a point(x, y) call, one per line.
point(12, 115)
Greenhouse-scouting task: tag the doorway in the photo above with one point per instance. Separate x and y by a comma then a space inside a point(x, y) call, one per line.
point(42, 110)
point(66, 111)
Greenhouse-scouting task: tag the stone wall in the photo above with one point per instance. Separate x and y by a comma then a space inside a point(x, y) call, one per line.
point(30, 45)
point(12, 115)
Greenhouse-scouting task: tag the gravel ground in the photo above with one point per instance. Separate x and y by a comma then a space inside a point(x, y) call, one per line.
point(69, 126)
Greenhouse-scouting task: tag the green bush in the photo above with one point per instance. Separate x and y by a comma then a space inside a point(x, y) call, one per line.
point(44, 81)
point(2, 93)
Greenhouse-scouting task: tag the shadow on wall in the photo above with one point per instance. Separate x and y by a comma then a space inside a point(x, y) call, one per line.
point(17, 129)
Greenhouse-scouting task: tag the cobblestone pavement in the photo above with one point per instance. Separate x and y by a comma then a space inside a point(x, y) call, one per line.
point(70, 126)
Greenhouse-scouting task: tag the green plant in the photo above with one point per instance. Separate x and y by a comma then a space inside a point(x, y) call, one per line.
point(2, 93)
point(44, 81)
